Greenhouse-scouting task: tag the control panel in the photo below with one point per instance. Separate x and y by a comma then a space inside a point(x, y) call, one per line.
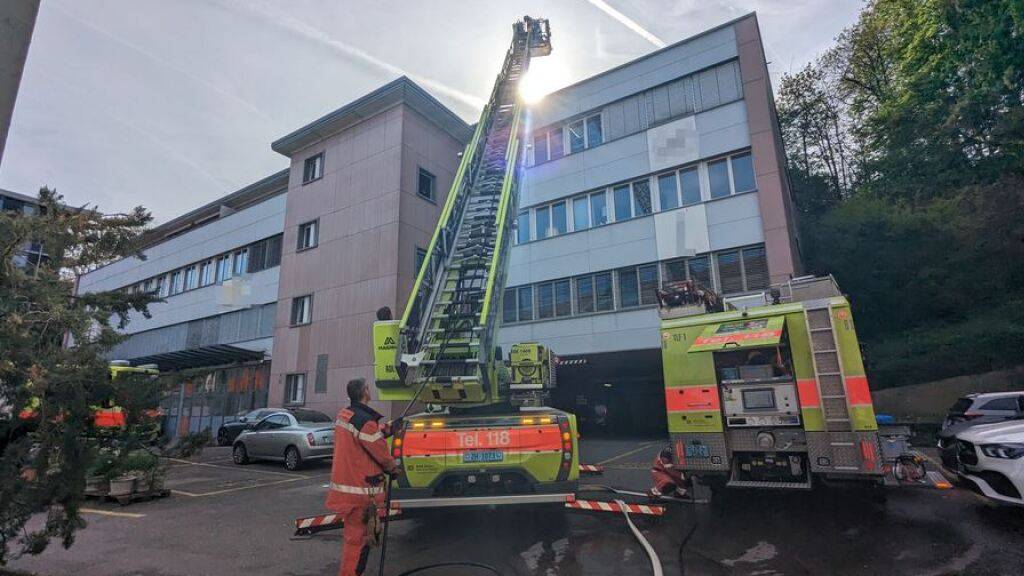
point(760, 402)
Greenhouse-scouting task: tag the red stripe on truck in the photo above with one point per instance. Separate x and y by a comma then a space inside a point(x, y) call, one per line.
point(691, 398)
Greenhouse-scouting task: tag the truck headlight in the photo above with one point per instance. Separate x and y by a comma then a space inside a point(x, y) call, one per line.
point(1005, 451)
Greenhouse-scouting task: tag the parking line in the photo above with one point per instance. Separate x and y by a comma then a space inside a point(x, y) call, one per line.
point(111, 513)
point(237, 488)
point(624, 454)
point(257, 470)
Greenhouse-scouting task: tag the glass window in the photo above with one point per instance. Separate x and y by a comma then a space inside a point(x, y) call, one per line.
point(690, 179)
point(161, 286)
point(576, 142)
point(623, 203)
point(718, 178)
point(294, 391)
point(598, 209)
point(642, 197)
point(545, 301)
point(176, 282)
point(594, 134)
point(508, 305)
point(604, 297)
point(540, 147)
point(559, 223)
point(241, 261)
point(700, 271)
point(1009, 403)
point(743, 173)
point(223, 268)
point(755, 268)
point(525, 298)
point(313, 168)
point(584, 295)
point(563, 298)
point(629, 292)
point(523, 227)
point(729, 274)
point(206, 273)
point(675, 271)
point(668, 192)
point(543, 218)
point(307, 235)
point(555, 145)
point(580, 213)
point(426, 185)
point(302, 310)
point(191, 278)
point(648, 284)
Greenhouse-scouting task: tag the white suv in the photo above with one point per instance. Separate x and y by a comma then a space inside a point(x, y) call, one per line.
point(992, 457)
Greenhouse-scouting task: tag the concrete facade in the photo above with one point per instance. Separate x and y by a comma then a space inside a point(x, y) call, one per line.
point(17, 21)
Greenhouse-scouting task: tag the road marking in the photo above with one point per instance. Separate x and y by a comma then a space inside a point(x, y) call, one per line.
point(237, 488)
point(248, 469)
point(629, 453)
point(111, 513)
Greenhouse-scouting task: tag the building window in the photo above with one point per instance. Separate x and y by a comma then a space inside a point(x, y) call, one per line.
point(755, 268)
point(241, 261)
point(320, 380)
point(577, 138)
point(523, 227)
point(545, 301)
point(648, 284)
point(595, 134)
point(294, 389)
point(161, 286)
point(308, 235)
point(623, 203)
point(689, 179)
point(559, 222)
point(668, 191)
point(563, 298)
point(418, 259)
point(584, 295)
point(207, 273)
point(604, 297)
point(742, 173)
point(585, 133)
point(580, 213)
point(699, 270)
point(540, 147)
point(176, 282)
point(525, 299)
point(542, 216)
point(598, 209)
point(426, 185)
point(223, 267)
point(718, 179)
point(508, 305)
point(629, 289)
point(264, 254)
point(313, 168)
point(730, 273)
point(642, 198)
point(556, 146)
point(191, 278)
point(302, 310)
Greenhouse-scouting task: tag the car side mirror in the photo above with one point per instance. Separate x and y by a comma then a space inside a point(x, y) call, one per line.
point(243, 419)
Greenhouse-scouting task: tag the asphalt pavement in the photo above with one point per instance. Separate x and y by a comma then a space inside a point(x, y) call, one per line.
point(223, 519)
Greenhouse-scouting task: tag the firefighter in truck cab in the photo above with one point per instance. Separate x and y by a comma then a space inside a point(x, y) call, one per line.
point(359, 474)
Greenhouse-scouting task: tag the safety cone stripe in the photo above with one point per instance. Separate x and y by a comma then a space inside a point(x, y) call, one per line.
point(323, 522)
point(599, 506)
point(591, 469)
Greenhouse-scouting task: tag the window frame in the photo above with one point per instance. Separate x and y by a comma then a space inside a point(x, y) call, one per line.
point(317, 168)
point(300, 244)
point(432, 178)
point(290, 380)
point(307, 309)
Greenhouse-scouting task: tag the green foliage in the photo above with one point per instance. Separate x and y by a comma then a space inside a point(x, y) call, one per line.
point(923, 102)
point(192, 444)
point(45, 459)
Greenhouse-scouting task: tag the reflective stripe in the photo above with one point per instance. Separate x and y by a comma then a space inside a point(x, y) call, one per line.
point(362, 436)
point(367, 491)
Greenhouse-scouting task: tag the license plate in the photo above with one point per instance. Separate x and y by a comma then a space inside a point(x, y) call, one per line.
point(483, 456)
point(697, 451)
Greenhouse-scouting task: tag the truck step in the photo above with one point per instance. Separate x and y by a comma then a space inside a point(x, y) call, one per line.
point(762, 484)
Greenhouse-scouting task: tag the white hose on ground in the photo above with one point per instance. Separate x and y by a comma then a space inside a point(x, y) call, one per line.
point(655, 562)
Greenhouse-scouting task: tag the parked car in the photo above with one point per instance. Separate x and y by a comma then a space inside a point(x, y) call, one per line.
point(977, 409)
point(229, 431)
point(292, 436)
point(991, 456)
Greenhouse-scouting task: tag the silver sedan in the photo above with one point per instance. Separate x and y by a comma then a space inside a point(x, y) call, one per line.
point(292, 436)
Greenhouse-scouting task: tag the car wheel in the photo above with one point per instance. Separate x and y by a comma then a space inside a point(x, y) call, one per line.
point(292, 458)
point(240, 455)
point(222, 437)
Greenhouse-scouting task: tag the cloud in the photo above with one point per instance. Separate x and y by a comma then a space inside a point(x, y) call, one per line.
point(628, 23)
point(312, 33)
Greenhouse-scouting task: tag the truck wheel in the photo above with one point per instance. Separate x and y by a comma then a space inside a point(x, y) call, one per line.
point(292, 458)
point(240, 455)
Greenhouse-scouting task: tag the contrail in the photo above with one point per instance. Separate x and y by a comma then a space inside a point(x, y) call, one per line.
point(316, 35)
point(628, 23)
point(145, 53)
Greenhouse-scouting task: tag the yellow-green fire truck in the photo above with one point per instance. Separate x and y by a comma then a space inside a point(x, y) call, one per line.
point(487, 439)
point(768, 394)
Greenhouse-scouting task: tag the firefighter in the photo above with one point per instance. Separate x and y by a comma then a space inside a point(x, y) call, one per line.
point(358, 475)
point(668, 480)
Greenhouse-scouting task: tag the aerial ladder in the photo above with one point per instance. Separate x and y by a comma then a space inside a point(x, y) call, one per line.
point(485, 434)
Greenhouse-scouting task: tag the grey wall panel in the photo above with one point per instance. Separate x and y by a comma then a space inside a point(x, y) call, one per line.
point(631, 114)
point(709, 95)
point(632, 330)
point(268, 312)
point(728, 81)
point(660, 101)
point(229, 325)
point(614, 121)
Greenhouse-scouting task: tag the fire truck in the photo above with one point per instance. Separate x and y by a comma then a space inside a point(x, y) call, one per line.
point(486, 437)
point(768, 390)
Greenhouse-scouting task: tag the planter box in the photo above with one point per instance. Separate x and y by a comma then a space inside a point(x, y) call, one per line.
point(97, 486)
point(122, 486)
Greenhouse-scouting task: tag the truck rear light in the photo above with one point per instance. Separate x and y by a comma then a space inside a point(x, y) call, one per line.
point(311, 439)
point(527, 421)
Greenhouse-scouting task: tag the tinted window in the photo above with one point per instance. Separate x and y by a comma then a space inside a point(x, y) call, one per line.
point(523, 228)
point(545, 301)
point(310, 416)
point(691, 186)
point(540, 148)
point(543, 217)
point(576, 136)
point(508, 305)
point(743, 173)
point(667, 191)
point(584, 295)
point(629, 294)
point(525, 303)
point(594, 132)
point(603, 290)
point(598, 209)
point(642, 197)
point(718, 176)
point(961, 406)
point(555, 143)
point(622, 203)
point(563, 298)
point(558, 218)
point(1009, 403)
point(580, 213)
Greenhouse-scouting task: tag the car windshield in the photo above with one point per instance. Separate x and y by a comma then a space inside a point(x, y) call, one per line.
point(311, 416)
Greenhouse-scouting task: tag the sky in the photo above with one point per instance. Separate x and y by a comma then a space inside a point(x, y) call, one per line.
point(171, 104)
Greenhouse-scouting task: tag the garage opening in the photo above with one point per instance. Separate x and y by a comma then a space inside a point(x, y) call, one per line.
point(617, 394)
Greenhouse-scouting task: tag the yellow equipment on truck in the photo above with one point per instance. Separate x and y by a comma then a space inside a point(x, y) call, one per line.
point(492, 441)
point(770, 391)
